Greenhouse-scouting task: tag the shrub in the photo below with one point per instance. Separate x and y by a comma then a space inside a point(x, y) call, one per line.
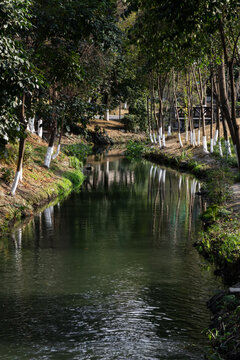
point(136, 120)
point(218, 185)
point(131, 123)
point(134, 149)
point(75, 163)
point(80, 151)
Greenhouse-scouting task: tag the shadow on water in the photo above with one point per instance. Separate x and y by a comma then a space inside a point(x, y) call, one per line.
point(110, 273)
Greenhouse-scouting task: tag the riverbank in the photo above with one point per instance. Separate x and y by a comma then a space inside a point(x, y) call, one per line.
point(39, 186)
point(219, 242)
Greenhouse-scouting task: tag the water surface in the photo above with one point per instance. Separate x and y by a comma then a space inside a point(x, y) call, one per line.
point(110, 273)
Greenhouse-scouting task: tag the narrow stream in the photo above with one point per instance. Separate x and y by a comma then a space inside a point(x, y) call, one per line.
point(110, 273)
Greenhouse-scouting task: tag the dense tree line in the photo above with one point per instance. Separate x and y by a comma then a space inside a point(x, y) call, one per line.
point(62, 62)
point(190, 50)
point(57, 67)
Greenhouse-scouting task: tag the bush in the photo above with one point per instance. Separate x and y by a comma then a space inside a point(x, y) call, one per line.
point(75, 163)
point(131, 123)
point(136, 120)
point(218, 185)
point(80, 151)
point(134, 149)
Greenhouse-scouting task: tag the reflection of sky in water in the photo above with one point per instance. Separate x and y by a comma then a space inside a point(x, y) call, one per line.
point(110, 273)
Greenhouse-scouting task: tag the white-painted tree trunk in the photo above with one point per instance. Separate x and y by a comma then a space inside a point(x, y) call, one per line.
point(106, 115)
point(160, 141)
point(155, 171)
point(191, 138)
point(199, 137)
point(169, 130)
point(186, 136)
point(164, 140)
point(194, 138)
point(15, 182)
point(215, 139)
point(159, 175)
point(211, 145)
point(180, 140)
point(125, 105)
point(107, 167)
point(160, 132)
point(40, 129)
point(57, 152)
point(5, 137)
point(48, 218)
point(151, 170)
point(164, 176)
point(228, 147)
point(21, 174)
point(205, 148)
point(151, 138)
point(180, 182)
point(31, 125)
point(48, 157)
point(220, 148)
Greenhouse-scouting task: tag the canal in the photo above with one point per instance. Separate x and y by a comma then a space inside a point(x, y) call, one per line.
point(110, 273)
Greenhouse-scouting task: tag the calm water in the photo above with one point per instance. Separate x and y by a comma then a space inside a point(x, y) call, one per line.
point(110, 273)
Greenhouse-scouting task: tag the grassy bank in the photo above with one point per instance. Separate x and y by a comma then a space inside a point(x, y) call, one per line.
point(40, 185)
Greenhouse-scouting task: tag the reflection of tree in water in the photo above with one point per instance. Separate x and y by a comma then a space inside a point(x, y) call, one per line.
point(118, 185)
point(172, 199)
point(108, 173)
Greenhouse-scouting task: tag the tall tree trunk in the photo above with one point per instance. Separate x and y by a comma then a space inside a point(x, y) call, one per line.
point(202, 95)
point(230, 116)
point(212, 117)
point(53, 131)
point(199, 126)
point(22, 143)
point(120, 110)
point(176, 110)
point(226, 113)
point(148, 119)
point(161, 129)
point(59, 142)
point(219, 129)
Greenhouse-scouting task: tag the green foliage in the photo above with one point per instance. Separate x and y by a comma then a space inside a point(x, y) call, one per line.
point(79, 151)
point(76, 177)
point(221, 241)
point(75, 163)
point(130, 122)
point(135, 150)
point(227, 160)
point(7, 175)
point(224, 336)
point(213, 213)
point(138, 109)
point(218, 185)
